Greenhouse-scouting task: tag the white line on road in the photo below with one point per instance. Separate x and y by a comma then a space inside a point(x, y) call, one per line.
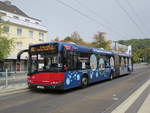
point(123, 107)
point(145, 106)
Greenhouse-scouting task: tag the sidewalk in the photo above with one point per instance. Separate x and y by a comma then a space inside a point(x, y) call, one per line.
point(13, 83)
point(140, 66)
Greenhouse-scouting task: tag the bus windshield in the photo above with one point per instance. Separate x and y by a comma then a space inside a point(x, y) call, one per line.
point(45, 63)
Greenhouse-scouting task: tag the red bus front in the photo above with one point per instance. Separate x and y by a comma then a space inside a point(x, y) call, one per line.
point(45, 67)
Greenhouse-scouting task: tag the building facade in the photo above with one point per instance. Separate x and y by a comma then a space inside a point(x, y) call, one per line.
point(24, 30)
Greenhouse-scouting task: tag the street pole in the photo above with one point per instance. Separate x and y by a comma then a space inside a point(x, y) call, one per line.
point(6, 78)
point(115, 45)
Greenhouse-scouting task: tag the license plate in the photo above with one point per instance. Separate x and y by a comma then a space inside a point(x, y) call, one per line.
point(40, 87)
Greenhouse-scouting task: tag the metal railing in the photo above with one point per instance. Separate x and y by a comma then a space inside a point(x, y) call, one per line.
point(9, 77)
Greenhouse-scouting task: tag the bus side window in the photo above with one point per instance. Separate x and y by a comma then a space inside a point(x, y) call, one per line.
point(71, 60)
point(112, 62)
point(122, 62)
point(126, 59)
point(107, 62)
point(83, 61)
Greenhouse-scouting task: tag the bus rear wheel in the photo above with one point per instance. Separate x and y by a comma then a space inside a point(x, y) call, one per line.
point(84, 82)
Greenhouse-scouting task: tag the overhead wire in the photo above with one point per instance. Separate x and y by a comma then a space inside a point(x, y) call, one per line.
point(91, 10)
point(95, 14)
point(135, 12)
point(130, 17)
point(87, 16)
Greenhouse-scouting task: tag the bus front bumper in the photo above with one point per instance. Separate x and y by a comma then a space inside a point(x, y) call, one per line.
point(43, 86)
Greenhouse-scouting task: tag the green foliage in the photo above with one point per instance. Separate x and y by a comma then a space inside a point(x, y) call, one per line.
point(137, 43)
point(100, 41)
point(136, 58)
point(75, 37)
point(5, 44)
point(68, 39)
point(141, 49)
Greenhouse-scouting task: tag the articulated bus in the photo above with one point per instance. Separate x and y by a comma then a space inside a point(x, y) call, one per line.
point(58, 65)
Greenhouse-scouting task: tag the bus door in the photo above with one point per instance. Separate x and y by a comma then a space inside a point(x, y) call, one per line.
point(123, 65)
point(117, 65)
point(130, 64)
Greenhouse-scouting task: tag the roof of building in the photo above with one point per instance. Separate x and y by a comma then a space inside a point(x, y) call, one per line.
point(7, 6)
point(11, 8)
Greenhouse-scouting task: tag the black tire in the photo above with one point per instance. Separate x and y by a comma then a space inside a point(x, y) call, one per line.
point(29, 86)
point(84, 82)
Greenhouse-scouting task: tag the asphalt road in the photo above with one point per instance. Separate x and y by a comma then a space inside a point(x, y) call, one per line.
point(97, 98)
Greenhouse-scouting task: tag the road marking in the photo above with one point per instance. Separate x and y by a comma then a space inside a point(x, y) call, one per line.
point(115, 98)
point(123, 107)
point(145, 106)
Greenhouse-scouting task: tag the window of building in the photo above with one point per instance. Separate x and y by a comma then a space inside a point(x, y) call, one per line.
point(41, 36)
point(19, 31)
point(31, 34)
point(6, 29)
point(18, 66)
point(19, 45)
point(8, 66)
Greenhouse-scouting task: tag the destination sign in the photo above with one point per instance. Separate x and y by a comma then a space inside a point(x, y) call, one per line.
point(43, 48)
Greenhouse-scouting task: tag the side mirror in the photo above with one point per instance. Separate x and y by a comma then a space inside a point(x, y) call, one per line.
point(20, 53)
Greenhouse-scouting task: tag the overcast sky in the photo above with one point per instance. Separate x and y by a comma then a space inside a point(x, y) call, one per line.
point(61, 21)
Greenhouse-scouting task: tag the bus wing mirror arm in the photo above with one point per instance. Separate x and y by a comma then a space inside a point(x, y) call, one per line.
point(20, 53)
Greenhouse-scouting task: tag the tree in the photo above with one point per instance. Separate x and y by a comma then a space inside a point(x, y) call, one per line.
point(141, 49)
point(100, 41)
point(68, 39)
point(75, 37)
point(5, 43)
point(136, 58)
point(56, 39)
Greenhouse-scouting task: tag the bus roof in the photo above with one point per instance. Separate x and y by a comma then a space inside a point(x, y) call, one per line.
point(81, 48)
point(124, 55)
